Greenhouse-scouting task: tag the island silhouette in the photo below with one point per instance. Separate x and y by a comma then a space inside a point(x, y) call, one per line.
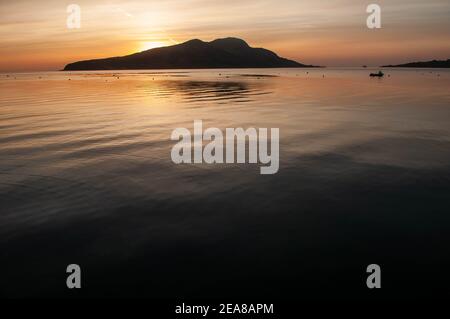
point(427, 64)
point(194, 54)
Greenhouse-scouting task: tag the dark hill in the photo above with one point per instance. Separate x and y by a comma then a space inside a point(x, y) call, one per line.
point(193, 54)
point(428, 64)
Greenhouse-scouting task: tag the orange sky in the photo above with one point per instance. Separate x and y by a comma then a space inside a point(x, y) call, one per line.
point(34, 35)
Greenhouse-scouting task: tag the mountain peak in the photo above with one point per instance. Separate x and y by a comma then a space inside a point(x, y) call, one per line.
point(194, 42)
point(230, 41)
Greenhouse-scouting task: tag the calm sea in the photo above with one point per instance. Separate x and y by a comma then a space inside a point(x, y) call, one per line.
point(86, 177)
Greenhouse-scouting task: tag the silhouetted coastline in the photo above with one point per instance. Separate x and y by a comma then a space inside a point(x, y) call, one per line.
point(193, 54)
point(427, 64)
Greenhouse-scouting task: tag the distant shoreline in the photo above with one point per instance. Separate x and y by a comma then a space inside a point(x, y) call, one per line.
point(427, 64)
point(171, 70)
point(205, 68)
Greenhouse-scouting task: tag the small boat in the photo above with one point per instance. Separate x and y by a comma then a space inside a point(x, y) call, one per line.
point(379, 74)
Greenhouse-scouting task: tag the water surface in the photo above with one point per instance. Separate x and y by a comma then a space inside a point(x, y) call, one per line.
point(86, 177)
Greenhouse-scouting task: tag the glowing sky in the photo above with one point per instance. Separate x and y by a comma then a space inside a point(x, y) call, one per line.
point(34, 36)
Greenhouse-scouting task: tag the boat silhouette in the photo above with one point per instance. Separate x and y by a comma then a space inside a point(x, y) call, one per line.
point(379, 74)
